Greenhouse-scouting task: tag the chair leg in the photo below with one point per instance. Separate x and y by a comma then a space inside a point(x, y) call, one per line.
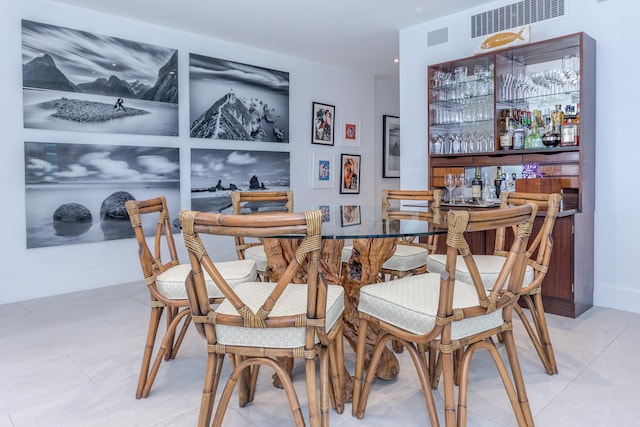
point(312, 394)
point(212, 377)
point(164, 346)
point(540, 336)
point(513, 395)
point(376, 357)
point(357, 379)
point(323, 354)
point(336, 368)
point(154, 321)
point(435, 366)
point(518, 379)
point(420, 363)
point(445, 358)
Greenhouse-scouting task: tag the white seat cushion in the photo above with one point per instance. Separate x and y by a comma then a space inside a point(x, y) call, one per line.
point(405, 258)
point(257, 254)
point(292, 301)
point(489, 267)
point(170, 283)
point(411, 303)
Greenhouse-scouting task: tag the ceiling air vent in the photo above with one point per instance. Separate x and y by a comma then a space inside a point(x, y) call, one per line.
point(515, 15)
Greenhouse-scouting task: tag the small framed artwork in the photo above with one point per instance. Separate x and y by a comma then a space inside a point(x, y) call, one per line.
point(326, 213)
point(350, 133)
point(350, 174)
point(322, 131)
point(349, 215)
point(390, 147)
point(323, 170)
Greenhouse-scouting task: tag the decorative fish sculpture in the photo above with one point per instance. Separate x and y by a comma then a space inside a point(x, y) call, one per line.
point(501, 39)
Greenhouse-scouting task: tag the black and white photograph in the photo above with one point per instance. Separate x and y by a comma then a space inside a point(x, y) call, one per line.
point(216, 173)
point(390, 147)
point(239, 102)
point(75, 193)
point(79, 81)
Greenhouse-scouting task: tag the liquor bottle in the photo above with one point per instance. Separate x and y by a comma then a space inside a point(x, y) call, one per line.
point(476, 186)
point(567, 130)
point(506, 139)
point(576, 125)
point(536, 139)
point(498, 182)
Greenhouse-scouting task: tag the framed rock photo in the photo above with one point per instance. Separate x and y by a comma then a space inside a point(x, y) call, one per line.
point(75, 193)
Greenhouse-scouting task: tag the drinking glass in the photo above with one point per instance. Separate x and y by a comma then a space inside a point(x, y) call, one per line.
point(462, 184)
point(450, 184)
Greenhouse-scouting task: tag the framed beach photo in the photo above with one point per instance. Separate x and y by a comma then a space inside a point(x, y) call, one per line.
point(350, 174)
point(322, 129)
point(349, 215)
point(323, 170)
point(350, 130)
point(390, 147)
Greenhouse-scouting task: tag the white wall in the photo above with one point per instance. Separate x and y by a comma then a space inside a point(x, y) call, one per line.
point(46, 271)
point(613, 24)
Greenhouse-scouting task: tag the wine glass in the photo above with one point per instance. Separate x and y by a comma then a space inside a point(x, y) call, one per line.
point(450, 184)
point(462, 184)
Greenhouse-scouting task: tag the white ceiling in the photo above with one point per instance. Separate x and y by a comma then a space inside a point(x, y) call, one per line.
point(355, 34)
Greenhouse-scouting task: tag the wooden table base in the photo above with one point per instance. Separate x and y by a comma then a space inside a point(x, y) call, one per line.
point(362, 269)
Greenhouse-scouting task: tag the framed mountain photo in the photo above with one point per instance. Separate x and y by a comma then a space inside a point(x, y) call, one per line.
point(239, 102)
point(79, 81)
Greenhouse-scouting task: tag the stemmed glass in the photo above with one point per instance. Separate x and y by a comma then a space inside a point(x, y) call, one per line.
point(450, 184)
point(462, 184)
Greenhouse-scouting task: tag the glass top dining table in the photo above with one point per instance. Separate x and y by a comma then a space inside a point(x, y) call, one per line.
point(371, 222)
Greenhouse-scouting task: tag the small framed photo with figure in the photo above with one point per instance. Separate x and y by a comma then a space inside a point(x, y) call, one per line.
point(323, 170)
point(350, 174)
point(322, 130)
point(349, 215)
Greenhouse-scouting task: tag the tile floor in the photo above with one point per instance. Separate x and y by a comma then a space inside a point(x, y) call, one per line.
point(73, 360)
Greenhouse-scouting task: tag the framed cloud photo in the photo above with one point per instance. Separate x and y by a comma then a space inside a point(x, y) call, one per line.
point(323, 170)
point(390, 147)
point(350, 174)
point(323, 127)
point(350, 130)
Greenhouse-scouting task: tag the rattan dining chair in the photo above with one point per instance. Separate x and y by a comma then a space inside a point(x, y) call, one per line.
point(445, 314)
point(259, 322)
point(539, 256)
point(410, 256)
point(258, 202)
point(165, 281)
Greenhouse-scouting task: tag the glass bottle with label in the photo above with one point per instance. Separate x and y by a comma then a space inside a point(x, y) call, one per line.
point(476, 186)
point(498, 182)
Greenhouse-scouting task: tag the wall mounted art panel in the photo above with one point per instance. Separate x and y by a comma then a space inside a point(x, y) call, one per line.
point(75, 193)
point(79, 81)
point(216, 173)
point(234, 101)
